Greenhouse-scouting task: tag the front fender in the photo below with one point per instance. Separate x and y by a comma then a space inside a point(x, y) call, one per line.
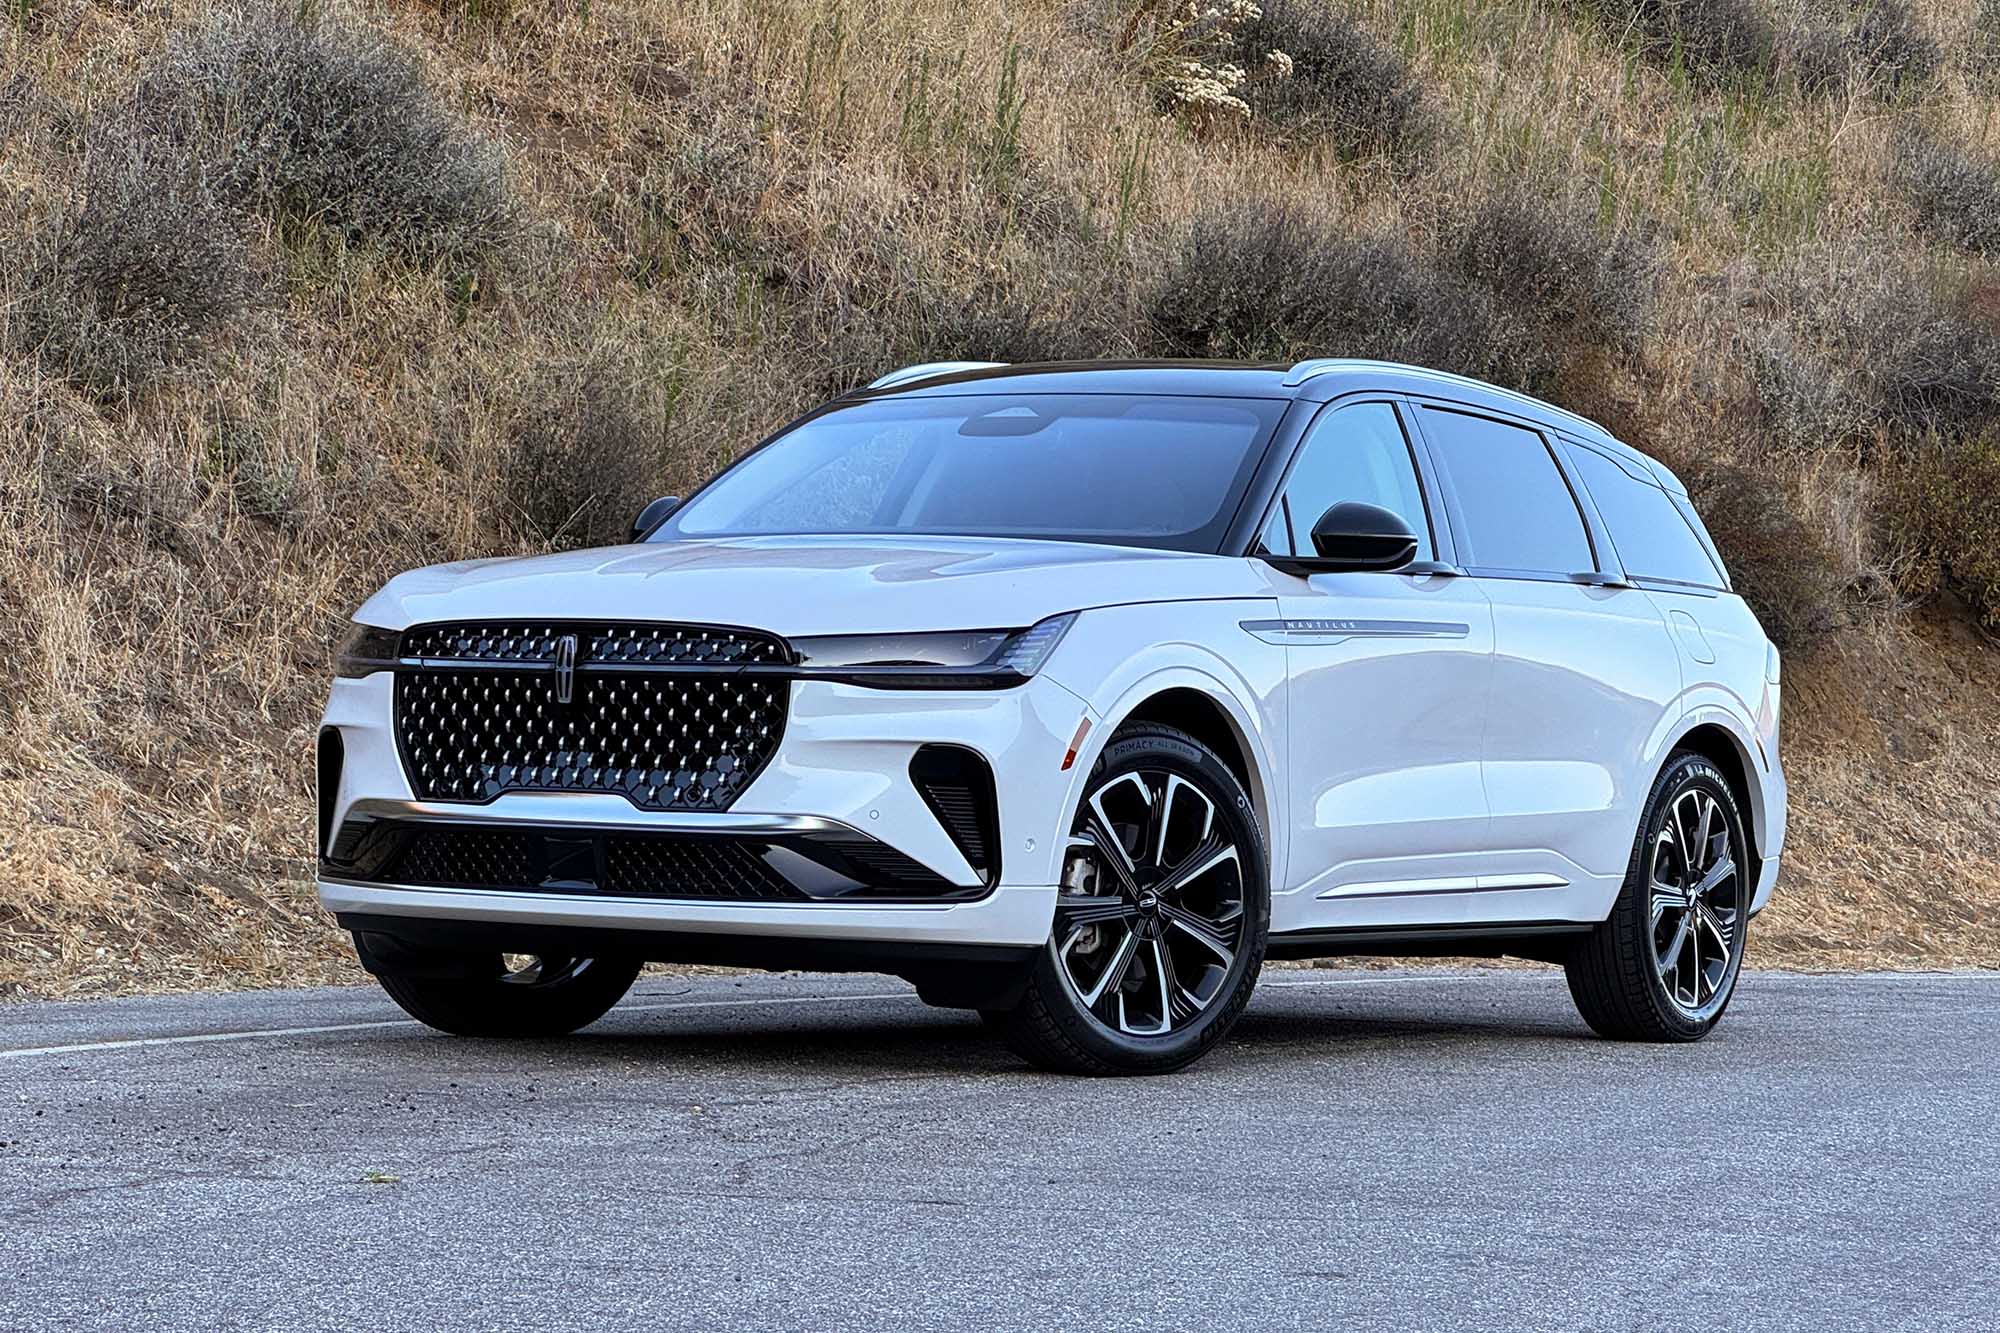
point(1118, 658)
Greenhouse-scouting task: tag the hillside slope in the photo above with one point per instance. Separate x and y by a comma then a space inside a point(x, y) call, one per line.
point(293, 298)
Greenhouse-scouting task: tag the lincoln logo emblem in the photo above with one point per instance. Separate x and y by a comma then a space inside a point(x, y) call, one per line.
point(565, 668)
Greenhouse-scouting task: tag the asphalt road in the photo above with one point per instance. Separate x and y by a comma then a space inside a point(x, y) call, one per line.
point(1371, 1151)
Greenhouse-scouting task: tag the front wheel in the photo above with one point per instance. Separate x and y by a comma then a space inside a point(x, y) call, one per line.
point(1663, 965)
point(495, 995)
point(1161, 924)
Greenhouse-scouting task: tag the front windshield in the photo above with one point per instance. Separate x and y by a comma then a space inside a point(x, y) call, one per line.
point(1126, 469)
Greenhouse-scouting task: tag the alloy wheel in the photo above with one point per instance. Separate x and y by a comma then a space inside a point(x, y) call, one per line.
point(531, 970)
point(1151, 917)
point(1698, 903)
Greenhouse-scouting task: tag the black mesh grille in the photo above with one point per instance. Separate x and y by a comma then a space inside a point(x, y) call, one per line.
point(479, 857)
point(633, 866)
point(578, 859)
point(663, 740)
point(658, 868)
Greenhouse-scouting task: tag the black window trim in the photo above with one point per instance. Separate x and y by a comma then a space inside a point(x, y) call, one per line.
point(1654, 582)
point(1443, 547)
point(1594, 534)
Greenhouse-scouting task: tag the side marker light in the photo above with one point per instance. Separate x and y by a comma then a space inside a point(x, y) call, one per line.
point(1076, 744)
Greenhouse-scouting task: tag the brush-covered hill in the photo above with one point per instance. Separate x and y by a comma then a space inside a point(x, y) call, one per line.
point(294, 297)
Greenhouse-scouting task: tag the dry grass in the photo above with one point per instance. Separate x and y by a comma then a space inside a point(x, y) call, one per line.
point(710, 215)
point(1893, 751)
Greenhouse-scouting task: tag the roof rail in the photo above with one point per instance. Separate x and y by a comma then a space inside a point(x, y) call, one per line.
point(1319, 365)
point(928, 370)
point(1324, 365)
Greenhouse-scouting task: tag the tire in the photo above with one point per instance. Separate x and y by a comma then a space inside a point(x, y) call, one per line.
point(1194, 887)
point(1634, 978)
point(549, 997)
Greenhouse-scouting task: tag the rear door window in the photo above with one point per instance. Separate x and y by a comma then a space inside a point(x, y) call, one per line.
point(1687, 511)
point(1654, 541)
point(1518, 514)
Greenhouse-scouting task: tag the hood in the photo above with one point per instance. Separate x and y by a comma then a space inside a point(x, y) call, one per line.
point(814, 585)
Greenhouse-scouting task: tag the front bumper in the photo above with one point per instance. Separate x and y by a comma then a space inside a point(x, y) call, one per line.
point(843, 763)
point(1017, 915)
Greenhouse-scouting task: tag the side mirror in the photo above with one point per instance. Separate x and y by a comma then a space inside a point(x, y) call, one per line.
point(652, 516)
point(1356, 536)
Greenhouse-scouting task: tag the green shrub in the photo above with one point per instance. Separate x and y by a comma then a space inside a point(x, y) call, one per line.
point(1809, 402)
point(1956, 196)
point(1013, 330)
point(1897, 342)
point(1935, 368)
point(1263, 282)
point(142, 269)
point(1513, 292)
point(309, 118)
point(1943, 502)
point(1049, 320)
point(580, 458)
point(1891, 53)
point(1865, 46)
point(1345, 88)
point(888, 289)
point(1777, 560)
point(1556, 269)
point(1814, 55)
point(1713, 41)
point(1981, 57)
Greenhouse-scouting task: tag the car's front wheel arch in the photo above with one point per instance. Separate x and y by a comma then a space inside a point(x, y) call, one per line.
point(1198, 704)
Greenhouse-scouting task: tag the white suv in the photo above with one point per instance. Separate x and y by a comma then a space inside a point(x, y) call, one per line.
point(1072, 693)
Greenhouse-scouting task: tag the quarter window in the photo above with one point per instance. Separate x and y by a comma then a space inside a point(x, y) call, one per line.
point(1352, 453)
point(1653, 540)
point(1519, 516)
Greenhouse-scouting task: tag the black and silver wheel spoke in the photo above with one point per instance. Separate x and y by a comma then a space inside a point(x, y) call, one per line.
point(1183, 1004)
point(536, 970)
point(1076, 911)
point(1214, 938)
point(1111, 976)
point(1697, 899)
point(1151, 918)
point(1667, 898)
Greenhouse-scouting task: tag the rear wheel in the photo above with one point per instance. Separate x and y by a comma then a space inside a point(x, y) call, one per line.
point(1664, 964)
point(499, 995)
point(1161, 924)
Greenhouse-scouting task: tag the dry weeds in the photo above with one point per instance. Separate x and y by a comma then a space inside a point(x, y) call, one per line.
point(723, 210)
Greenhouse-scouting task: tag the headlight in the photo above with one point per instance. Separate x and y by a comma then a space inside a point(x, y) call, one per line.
point(367, 650)
point(959, 649)
point(957, 659)
point(1025, 652)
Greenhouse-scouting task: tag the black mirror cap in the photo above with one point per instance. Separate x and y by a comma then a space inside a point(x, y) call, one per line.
point(1357, 536)
point(652, 516)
